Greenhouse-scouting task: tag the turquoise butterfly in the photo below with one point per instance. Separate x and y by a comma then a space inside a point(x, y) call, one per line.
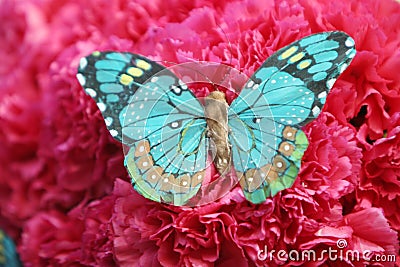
point(8, 253)
point(170, 133)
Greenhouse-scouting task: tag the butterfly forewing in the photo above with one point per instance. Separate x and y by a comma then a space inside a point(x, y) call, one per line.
point(111, 78)
point(165, 125)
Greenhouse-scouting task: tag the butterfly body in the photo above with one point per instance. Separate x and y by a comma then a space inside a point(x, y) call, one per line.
point(216, 114)
point(170, 134)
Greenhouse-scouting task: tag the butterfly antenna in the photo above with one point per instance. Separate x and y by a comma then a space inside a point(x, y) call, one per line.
point(230, 48)
point(186, 67)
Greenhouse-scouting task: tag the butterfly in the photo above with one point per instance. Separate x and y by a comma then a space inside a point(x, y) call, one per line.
point(170, 133)
point(8, 253)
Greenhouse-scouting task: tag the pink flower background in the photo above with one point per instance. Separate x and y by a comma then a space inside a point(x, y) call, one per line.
point(65, 195)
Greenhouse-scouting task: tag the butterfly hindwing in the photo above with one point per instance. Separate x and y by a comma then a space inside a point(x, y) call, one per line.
point(290, 88)
point(165, 125)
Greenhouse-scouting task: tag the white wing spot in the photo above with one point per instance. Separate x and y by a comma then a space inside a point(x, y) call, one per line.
point(286, 147)
point(322, 95)
point(349, 42)
point(330, 83)
point(279, 164)
point(101, 106)
point(250, 179)
point(91, 92)
point(316, 110)
point(113, 132)
point(81, 79)
point(273, 81)
point(141, 148)
point(154, 79)
point(83, 63)
point(176, 89)
point(343, 67)
point(108, 121)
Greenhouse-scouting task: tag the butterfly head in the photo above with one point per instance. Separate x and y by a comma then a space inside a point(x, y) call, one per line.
point(217, 95)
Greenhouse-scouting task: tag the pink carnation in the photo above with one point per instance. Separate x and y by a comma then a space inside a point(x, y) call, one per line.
point(149, 234)
point(51, 239)
point(380, 184)
point(332, 162)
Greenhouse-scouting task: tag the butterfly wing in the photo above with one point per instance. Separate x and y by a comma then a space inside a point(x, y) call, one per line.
point(159, 119)
point(111, 78)
point(286, 92)
point(166, 129)
point(8, 253)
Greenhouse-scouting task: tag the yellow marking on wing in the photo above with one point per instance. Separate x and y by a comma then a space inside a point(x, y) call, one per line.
point(304, 64)
point(296, 57)
point(288, 52)
point(143, 64)
point(96, 53)
point(125, 79)
point(135, 72)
